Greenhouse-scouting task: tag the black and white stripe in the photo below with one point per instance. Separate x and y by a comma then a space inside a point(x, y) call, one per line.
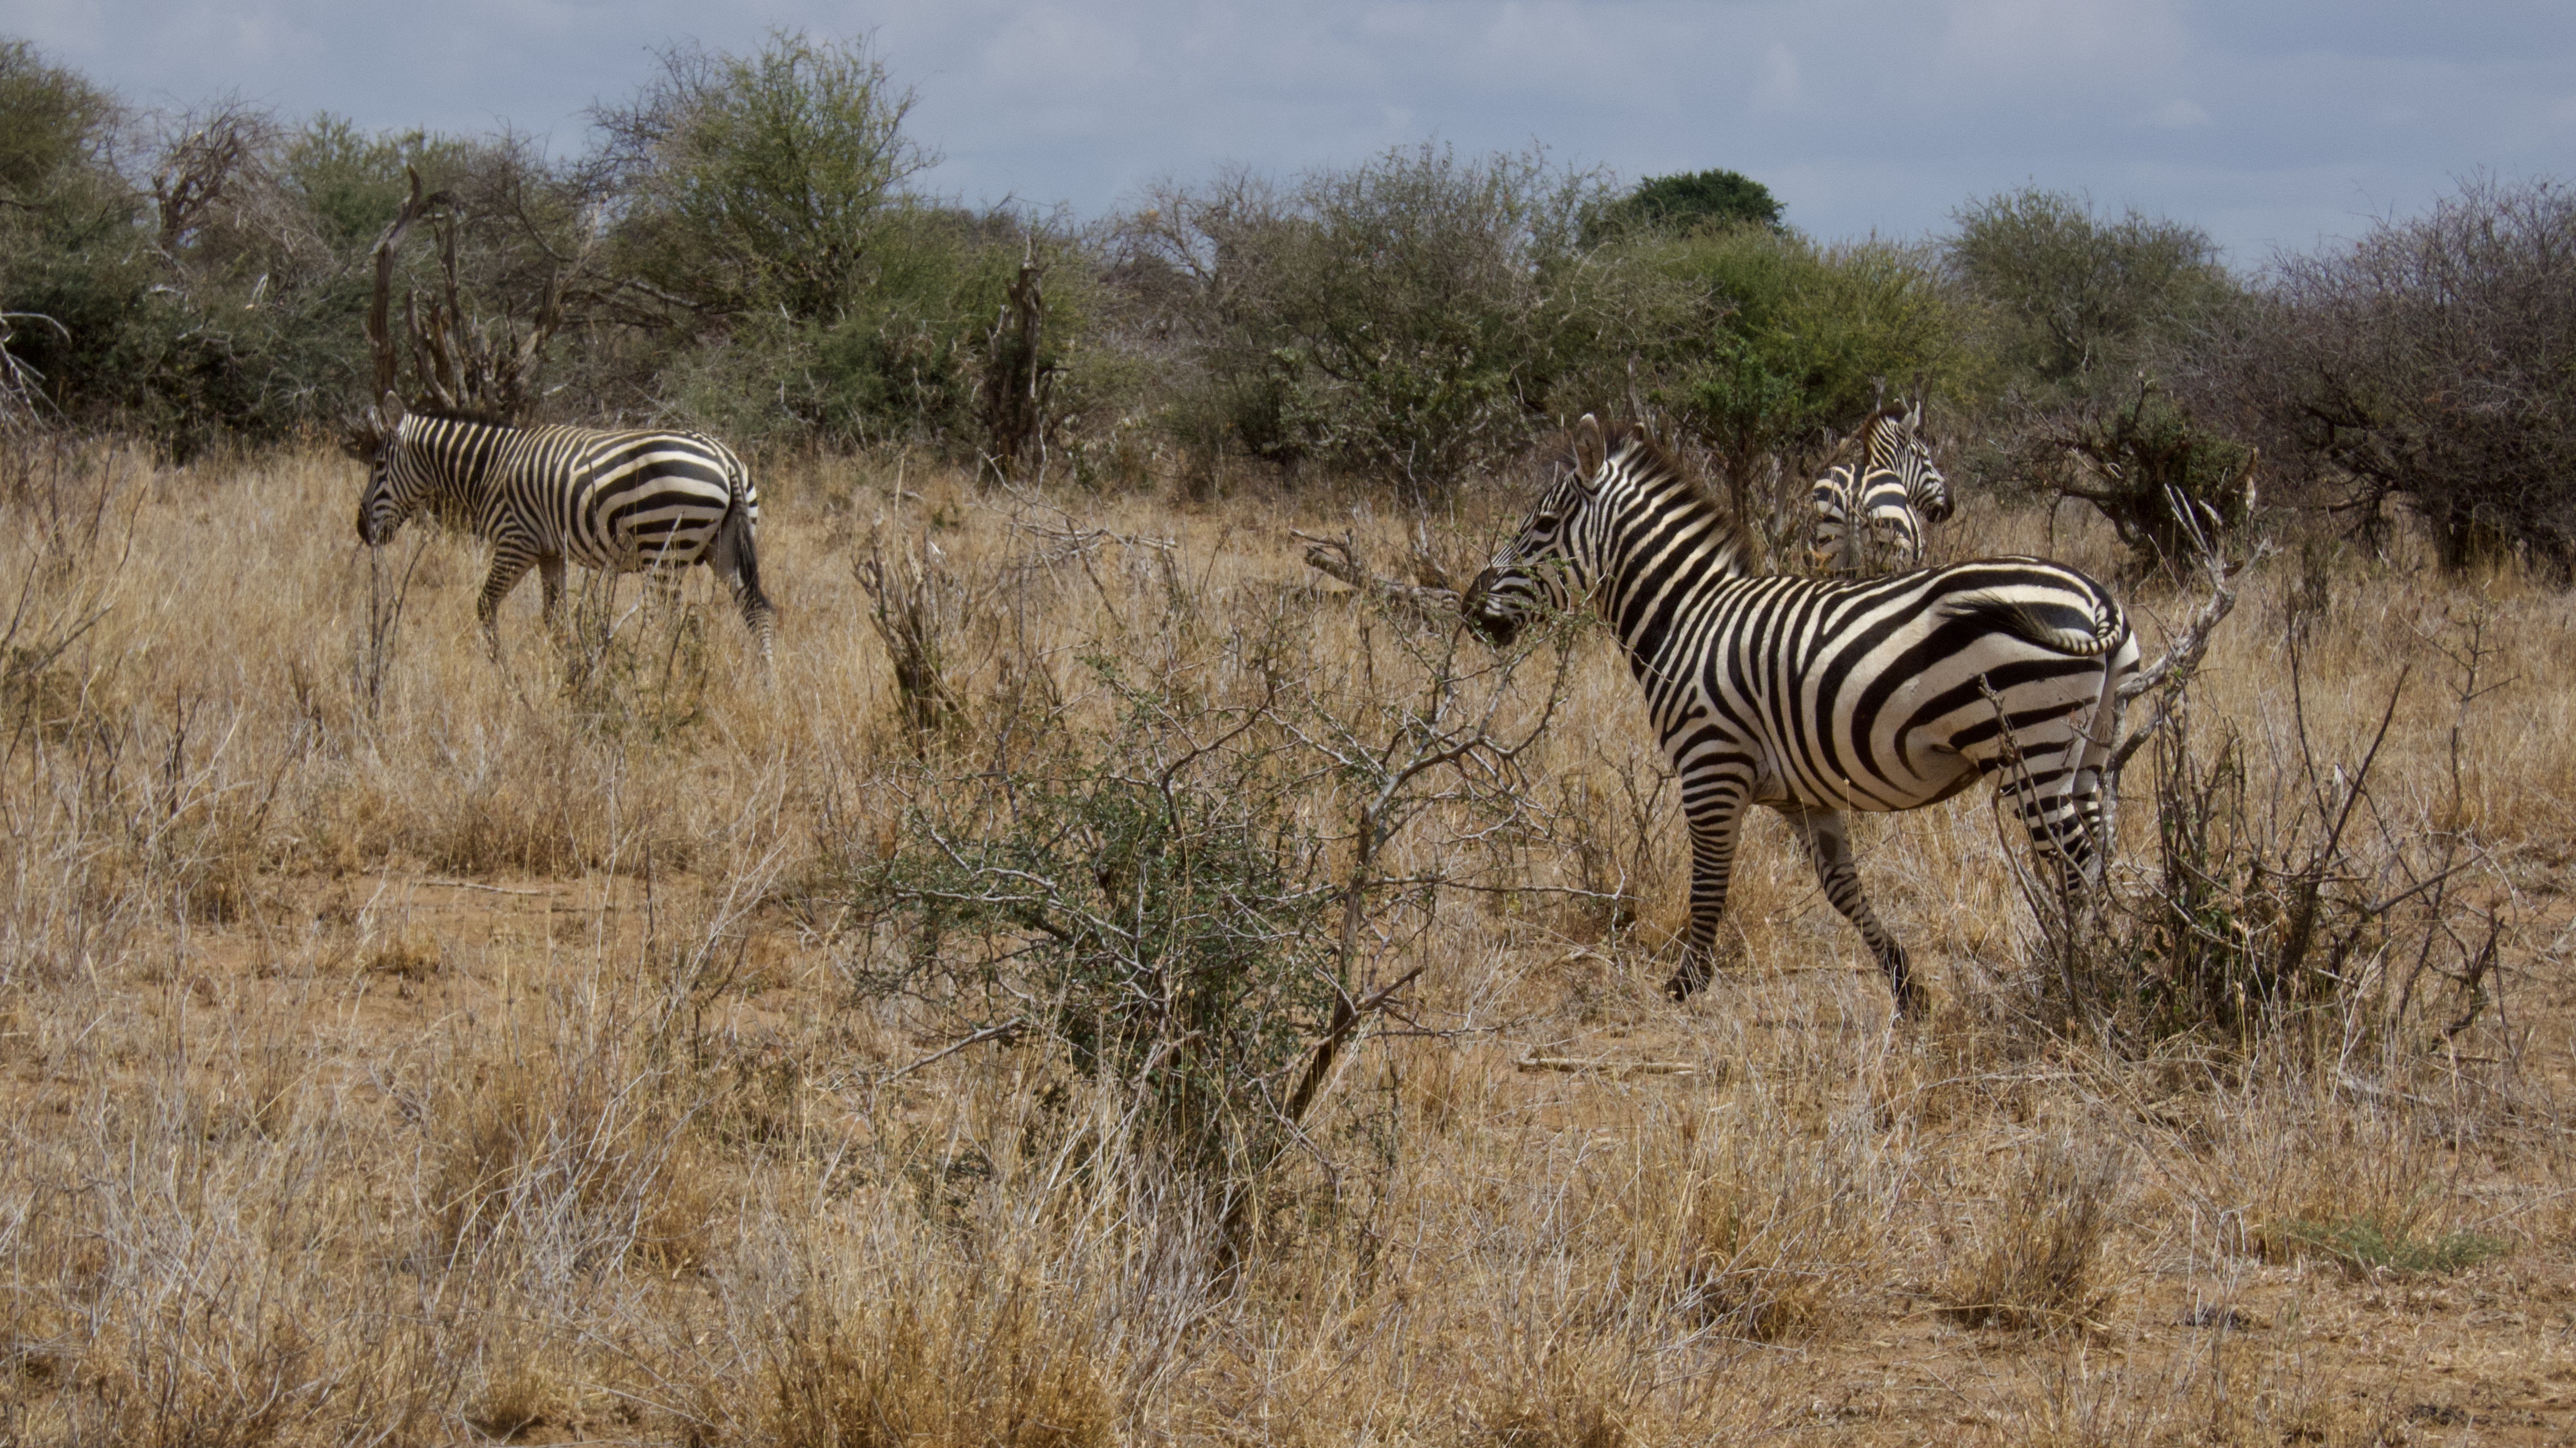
point(1871, 518)
point(614, 501)
point(1865, 523)
point(1817, 696)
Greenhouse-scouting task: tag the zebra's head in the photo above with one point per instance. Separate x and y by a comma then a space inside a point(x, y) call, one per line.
point(1536, 571)
point(1894, 440)
point(376, 441)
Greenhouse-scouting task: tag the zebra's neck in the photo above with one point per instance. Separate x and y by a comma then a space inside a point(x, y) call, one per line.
point(1885, 445)
point(460, 460)
point(1661, 545)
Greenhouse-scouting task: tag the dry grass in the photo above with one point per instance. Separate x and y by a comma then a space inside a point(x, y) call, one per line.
point(402, 1049)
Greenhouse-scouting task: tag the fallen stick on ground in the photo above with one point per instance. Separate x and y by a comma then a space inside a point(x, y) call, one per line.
point(1607, 1067)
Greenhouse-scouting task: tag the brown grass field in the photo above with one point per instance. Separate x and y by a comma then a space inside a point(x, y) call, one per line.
point(399, 1048)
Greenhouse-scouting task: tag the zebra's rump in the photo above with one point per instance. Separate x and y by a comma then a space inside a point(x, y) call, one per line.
point(1893, 693)
point(2041, 602)
point(647, 498)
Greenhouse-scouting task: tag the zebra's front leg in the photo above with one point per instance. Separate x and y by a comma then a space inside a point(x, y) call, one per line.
point(1828, 842)
point(511, 560)
point(1716, 815)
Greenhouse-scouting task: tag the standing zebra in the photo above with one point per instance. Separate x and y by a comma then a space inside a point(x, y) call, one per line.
point(615, 501)
point(1865, 524)
point(1816, 696)
point(1870, 518)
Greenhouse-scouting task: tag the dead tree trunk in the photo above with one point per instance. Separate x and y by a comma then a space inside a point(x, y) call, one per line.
point(1011, 405)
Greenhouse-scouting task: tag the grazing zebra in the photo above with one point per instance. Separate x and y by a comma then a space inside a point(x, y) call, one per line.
point(1816, 696)
point(1895, 491)
point(614, 501)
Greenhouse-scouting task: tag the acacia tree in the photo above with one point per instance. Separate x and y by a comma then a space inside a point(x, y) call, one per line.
point(760, 181)
point(1683, 202)
point(2084, 315)
point(1790, 342)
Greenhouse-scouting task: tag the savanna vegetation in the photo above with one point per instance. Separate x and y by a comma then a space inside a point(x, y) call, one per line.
point(1117, 983)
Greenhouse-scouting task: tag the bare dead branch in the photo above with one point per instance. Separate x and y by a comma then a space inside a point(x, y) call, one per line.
point(1339, 558)
point(380, 343)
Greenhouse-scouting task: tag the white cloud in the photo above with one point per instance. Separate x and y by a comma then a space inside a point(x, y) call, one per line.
point(2179, 114)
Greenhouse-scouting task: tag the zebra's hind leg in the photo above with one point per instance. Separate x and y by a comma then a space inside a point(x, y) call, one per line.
point(550, 574)
point(2063, 823)
point(1715, 809)
point(1828, 842)
point(736, 559)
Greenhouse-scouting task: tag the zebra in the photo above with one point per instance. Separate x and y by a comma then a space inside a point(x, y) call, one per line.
point(1865, 524)
point(1817, 696)
point(614, 501)
point(1869, 518)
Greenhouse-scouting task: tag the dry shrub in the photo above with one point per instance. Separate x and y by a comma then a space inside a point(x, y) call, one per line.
point(1779, 1229)
point(535, 802)
point(519, 1390)
point(575, 1156)
point(1557, 1407)
point(2038, 1265)
point(407, 954)
point(996, 1368)
point(916, 605)
point(644, 672)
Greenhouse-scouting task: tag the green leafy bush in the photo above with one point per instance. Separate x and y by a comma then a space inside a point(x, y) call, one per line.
point(1406, 319)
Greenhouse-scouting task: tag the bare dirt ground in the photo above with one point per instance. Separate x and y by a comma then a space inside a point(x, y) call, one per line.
point(399, 1047)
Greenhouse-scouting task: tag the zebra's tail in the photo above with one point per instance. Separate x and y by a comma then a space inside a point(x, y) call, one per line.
point(2072, 617)
point(736, 557)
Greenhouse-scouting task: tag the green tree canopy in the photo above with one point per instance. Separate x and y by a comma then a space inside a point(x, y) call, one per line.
point(1680, 203)
point(1804, 338)
point(52, 121)
point(2077, 295)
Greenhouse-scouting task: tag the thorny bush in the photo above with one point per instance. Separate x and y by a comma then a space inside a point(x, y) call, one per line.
point(1197, 896)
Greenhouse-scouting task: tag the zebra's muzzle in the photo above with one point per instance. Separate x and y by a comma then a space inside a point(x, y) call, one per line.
point(1495, 626)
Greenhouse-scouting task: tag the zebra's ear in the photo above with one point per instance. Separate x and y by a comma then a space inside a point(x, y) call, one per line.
point(389, 412)
point(1590, 452)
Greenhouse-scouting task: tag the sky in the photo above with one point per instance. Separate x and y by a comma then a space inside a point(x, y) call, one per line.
point(2273, 124)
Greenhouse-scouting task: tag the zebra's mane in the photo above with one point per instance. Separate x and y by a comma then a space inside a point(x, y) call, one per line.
point(1636, 452)
point(484, 416)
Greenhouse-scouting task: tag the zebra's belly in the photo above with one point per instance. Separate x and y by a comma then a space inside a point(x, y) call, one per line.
point(645, 542)
point(1892, 780)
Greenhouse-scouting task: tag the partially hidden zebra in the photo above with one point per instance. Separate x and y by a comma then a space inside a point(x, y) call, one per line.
point(1817, 696)
point(614, 501)
point(1870, 517)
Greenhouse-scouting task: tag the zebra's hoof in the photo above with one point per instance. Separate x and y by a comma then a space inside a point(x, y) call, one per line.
point(1680, 987)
